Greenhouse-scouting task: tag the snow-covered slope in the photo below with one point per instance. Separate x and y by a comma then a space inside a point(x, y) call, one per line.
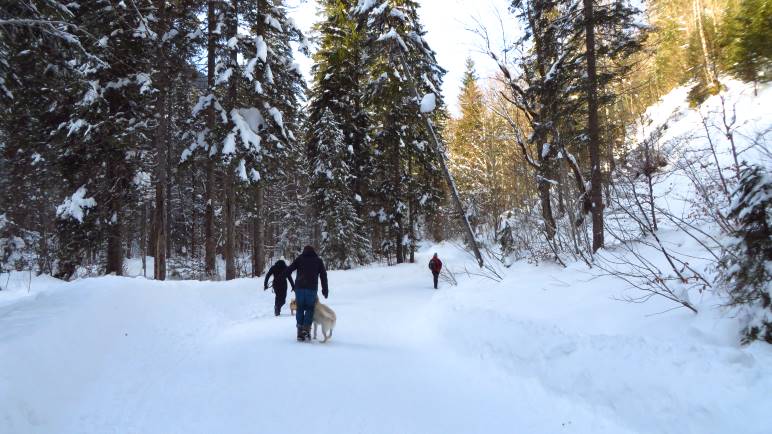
point(546, 350)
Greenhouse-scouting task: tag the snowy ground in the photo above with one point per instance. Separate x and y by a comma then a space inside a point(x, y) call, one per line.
point(544, 351)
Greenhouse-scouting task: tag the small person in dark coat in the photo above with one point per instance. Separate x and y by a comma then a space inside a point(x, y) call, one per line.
point(310, 268)
point(436, 266)
point(279, 284)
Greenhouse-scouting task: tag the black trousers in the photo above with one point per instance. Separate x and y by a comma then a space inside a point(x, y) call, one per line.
point(281, 298)
point(436, 278)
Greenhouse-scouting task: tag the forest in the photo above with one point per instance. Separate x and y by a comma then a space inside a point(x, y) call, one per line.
point(183, 133)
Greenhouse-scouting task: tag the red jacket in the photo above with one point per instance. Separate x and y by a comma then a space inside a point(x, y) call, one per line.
point(435, 265)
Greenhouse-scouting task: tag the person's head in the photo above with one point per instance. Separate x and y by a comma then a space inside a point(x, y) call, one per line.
point(280, 263)
point(435, 255)
point(307, 250)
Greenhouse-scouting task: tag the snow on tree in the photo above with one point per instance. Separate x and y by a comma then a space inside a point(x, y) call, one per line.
point(746, 266)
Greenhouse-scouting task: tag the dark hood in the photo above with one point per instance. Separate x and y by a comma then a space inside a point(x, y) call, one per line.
point(309, 251)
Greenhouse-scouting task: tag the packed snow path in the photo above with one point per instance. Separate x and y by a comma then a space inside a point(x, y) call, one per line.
point(129, 355)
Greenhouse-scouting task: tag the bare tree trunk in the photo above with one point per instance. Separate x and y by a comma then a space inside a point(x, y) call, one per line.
point(169, 237)
point(143, 248)
point(230, 224)
point(228, 178)
point(210, 246)
point(596, 179)
point(710, 72)
point(114, 235)
point(193, 217)
point(258, 238)
point(397, 230)
point(161, 137)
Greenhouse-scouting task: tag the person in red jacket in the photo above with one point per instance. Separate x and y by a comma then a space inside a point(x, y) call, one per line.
point(436, 266)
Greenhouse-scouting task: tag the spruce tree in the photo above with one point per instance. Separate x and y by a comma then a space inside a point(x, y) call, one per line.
point(407, 176)
point(338, 144)
point(343, 244)
point(746, 266)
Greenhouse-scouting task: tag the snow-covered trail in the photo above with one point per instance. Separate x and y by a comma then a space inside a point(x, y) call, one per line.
point(128, 355)
point(546, 350)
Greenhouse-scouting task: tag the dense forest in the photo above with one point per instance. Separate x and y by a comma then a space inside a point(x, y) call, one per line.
point(183, 131)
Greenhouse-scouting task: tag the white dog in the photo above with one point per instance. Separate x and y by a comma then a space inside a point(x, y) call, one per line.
point(325, 317)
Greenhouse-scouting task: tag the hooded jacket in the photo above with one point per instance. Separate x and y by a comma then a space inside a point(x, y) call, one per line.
point(310, 269)
point(279, 278)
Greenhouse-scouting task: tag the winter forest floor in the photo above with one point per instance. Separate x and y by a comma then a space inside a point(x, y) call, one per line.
point(545, 351)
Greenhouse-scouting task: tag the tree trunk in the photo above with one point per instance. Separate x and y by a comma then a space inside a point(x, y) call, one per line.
point(114, 227)
point(143, 248)
point(546, 207)
point(230, 224)
point(710, 75)
point(596, 179)
point(161, 137)
point(258, 238)
point(210, 247)
point(228, 178)
point(169, 218)
point(193, 218)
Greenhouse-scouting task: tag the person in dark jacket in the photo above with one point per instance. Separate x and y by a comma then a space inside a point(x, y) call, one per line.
point(436, 266)
point(310, 269)
point(279, 284)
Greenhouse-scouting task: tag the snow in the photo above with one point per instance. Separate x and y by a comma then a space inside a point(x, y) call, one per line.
point(276, 116)
point(76, 205)
point(428, 103)
point(248, 122)
point(223, 77)
point(392, 34)
point(364, 6)
point(546, 350)
point(545, 150)
point(262, 49)
point(684, 139)
point(242, 171)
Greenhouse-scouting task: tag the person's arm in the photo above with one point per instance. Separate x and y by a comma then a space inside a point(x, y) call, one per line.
point(323, 277)
point(270, 272)
point(291, 282)
point(288, 272)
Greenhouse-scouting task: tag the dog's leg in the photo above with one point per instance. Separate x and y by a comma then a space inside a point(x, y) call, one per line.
point(316, 325)
point(324, 333)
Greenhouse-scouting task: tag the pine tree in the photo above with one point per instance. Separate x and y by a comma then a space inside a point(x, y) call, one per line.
point(746, 266)
point(746, 50)
point(483, 161)
point(106, 123)
point(257, 105)
point(407, 177)
point(338, 144)
point(343, 243)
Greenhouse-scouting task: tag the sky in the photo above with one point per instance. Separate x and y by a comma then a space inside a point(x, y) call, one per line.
point(446, 23)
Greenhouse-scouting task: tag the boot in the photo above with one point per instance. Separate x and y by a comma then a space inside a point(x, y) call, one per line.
point(276, 310)
point(301, 334)
point(307, 332)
